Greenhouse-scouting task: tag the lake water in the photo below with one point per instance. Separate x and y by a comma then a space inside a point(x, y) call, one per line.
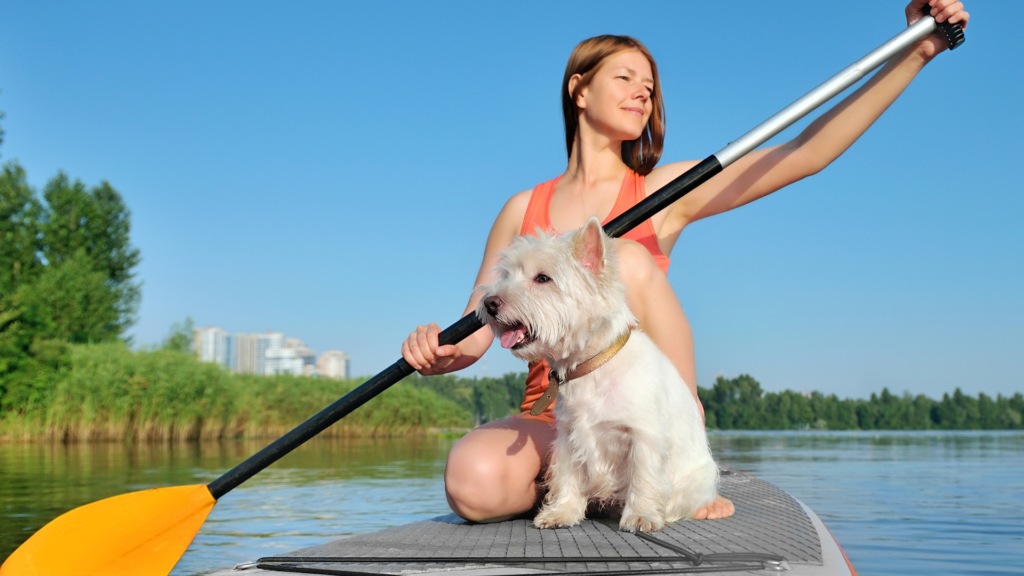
point(899, 503)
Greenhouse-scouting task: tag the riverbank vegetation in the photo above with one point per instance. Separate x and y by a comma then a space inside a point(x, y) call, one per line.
point(109, 392)
point(106, 392)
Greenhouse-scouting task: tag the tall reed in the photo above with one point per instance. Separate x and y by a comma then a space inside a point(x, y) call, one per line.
point(109, 392)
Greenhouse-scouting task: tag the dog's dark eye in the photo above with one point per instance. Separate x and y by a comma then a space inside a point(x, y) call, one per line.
point(541, 278)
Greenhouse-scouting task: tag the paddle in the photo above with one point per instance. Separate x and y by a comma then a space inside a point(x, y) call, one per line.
point(145, 533)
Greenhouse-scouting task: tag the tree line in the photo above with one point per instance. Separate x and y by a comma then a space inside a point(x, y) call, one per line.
point(740, 404)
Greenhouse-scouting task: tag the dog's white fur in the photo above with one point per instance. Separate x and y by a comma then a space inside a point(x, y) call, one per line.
point(629, 433)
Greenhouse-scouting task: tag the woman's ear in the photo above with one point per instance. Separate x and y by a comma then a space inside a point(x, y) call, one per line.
point(574, 81)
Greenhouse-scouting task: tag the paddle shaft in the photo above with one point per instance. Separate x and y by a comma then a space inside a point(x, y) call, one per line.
point(628, 220)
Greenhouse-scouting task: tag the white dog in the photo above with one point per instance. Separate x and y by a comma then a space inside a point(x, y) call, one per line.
point(630, 434)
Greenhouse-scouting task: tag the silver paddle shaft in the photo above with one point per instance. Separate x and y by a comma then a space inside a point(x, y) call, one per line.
point(824, 92)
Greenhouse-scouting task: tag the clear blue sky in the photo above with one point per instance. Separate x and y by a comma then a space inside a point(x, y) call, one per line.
point(330, 170)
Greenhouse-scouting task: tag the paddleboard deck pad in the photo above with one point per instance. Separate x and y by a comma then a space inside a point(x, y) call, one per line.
point(771, 532)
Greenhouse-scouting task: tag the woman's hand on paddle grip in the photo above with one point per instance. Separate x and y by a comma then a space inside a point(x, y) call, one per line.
point(421, 351)
point(951, 11)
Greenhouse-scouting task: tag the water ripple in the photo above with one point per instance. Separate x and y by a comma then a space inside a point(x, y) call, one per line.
point(900, 503)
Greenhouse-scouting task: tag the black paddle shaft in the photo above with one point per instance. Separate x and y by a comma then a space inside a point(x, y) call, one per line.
point(451, 335)
point(628, 220)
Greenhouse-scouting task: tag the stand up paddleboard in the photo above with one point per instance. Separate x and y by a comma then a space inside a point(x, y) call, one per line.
point(771, 532)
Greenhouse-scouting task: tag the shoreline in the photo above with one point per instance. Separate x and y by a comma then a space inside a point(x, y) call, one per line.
point(359, 433)
point(269, 433)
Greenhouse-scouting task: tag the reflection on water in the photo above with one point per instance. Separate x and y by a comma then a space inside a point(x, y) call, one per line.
point(900, 503)
point(325, 489)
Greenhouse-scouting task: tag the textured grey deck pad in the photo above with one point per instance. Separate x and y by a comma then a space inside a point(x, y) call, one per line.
point(767, 520)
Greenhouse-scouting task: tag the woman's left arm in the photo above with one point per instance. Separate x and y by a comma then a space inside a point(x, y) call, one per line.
point(766, 170)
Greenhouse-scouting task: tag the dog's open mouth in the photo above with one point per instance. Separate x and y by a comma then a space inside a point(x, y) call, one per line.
point(515, 336)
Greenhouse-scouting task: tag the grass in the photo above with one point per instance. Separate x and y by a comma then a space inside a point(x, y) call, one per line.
point(108, 392)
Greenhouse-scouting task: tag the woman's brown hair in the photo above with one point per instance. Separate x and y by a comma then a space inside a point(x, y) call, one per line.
point(642, 154)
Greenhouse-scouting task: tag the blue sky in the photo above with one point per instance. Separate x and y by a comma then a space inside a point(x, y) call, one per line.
point(331, 169)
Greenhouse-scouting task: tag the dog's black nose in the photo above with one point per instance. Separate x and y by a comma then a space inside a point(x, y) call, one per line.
point(493, 304)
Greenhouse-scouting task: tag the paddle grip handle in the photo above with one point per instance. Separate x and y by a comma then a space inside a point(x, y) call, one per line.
point(953, 33)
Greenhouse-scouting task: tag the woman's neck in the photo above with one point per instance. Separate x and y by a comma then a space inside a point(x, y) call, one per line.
point(594, 158)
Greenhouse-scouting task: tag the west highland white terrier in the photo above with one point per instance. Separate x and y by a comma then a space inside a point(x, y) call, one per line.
point(630, 435)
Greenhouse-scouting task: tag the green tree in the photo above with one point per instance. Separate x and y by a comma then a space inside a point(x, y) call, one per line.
point(737, 403)
point(66, 276)
point(20, 213)
point(180, 337)
point(94, 222)
point(73, 302)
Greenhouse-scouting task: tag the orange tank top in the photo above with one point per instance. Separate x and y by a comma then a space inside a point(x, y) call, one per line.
point(631, 193)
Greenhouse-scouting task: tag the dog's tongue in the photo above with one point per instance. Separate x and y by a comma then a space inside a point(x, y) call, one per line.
point(510, 337)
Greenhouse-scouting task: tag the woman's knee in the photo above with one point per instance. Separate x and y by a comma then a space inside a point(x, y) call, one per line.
point(468, 477)
point(478, 481)
point(491, 473)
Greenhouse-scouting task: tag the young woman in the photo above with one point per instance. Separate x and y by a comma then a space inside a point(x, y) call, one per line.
point(614, 127)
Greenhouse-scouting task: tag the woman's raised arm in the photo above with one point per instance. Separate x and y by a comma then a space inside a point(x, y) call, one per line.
point(420, 349)
point(764, 171)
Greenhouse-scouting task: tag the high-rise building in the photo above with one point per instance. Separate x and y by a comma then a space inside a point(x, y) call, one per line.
point(301, 350)
point(212, 344)
point(271, 353)
point(267, 346)
point(245, 353)
point(334, 364)
point(251, 351)
point(288, 356)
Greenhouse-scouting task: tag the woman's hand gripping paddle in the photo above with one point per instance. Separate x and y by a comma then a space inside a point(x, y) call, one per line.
point(145, 533)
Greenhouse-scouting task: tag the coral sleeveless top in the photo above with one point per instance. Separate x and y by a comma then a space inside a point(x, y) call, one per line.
point(630, 193)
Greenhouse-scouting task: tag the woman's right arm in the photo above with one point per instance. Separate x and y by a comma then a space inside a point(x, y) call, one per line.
point(420, 349)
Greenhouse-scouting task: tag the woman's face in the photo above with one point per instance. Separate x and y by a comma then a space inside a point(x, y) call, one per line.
point(618, 100)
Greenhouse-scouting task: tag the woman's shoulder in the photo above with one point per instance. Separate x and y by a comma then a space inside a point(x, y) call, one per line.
point(518, 204)
point(666, 173)
point(511, 217)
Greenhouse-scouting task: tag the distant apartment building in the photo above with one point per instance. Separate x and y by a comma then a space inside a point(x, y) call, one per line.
point(245, 353)
point(292, 357)
point(271, 353)
point(211, 344)
point(334, 364)
point(251, 351)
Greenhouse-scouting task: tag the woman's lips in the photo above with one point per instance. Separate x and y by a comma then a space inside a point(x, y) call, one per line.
point(637, 111)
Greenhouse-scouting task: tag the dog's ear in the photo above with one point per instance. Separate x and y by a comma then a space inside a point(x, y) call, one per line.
point(589, 246)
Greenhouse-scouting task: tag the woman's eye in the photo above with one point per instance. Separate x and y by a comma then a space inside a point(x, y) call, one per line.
point(541, 278)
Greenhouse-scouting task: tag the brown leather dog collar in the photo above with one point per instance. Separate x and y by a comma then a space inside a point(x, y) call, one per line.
point(581, 370)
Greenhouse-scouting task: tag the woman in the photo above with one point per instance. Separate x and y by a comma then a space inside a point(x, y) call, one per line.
point(614, 126)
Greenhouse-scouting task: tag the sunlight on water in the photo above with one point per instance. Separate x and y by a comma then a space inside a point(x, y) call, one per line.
point(900, 503)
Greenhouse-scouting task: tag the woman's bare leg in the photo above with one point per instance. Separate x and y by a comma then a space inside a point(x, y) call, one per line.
point(493, 473)
point(661, 317)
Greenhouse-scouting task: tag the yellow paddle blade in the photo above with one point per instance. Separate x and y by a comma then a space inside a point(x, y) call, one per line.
point(136, 534)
